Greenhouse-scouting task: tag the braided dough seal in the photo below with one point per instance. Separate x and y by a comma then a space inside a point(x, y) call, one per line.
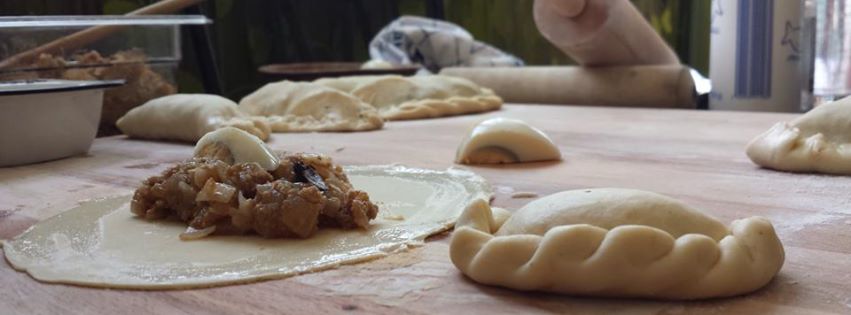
point(187, 117)
point(304, 106)
point(417, 97)
point(617, 243)
point(818, 141)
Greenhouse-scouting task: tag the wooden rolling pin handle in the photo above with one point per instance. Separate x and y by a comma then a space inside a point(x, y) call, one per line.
point(668, 86)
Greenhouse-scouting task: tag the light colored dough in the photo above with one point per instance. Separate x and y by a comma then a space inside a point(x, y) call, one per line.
point(304, 106)
point(187, 117)
point(102, 244)
point(818, 141)
point(242, 147)
point(503, 140)
point(417, 97)
point(616, 243)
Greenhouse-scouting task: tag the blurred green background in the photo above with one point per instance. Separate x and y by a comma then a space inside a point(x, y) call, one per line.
point(248, 34)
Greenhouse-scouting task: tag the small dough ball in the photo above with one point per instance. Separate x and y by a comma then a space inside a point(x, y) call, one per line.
point(503, 140)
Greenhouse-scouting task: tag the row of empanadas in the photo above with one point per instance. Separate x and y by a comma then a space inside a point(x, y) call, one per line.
point(339, 104)
point(363, 102)
point(400, 98)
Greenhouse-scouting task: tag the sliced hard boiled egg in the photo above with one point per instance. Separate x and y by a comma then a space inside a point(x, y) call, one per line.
point(504, 140)
point(234, 145)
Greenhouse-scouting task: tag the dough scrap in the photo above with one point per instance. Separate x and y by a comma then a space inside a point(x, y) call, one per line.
point(417, 97)
point(616, 243)
point(187, 117)
point(304, 106)
point(819, 141)
point(503, 140)
point(101, 244)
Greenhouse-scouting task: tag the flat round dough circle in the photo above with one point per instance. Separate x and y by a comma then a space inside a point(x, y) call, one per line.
point(616, 243)
point(102, 244)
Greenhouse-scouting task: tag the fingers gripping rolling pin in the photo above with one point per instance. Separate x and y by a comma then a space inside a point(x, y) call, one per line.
point(640, 69)
point(601, 32)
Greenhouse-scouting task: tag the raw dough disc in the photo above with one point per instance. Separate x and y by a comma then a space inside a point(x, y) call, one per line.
point(102, 244)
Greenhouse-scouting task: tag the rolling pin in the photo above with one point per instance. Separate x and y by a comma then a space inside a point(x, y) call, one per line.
point(663, 86)
point(601, 32)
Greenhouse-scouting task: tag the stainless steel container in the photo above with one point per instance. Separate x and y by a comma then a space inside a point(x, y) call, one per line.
point(43, 120)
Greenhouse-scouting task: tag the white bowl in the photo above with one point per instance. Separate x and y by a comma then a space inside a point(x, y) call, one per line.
point(42, 120)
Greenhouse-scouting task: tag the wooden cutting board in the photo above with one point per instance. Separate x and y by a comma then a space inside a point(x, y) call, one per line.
point(696, 156)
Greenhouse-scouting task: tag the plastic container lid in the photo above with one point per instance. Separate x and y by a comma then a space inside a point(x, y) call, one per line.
point(51, 85)
point(61, 21)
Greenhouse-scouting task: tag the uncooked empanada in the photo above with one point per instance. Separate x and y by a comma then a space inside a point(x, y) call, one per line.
point(187, 117)
point(304, 106)
point(503, 140)
point(427, 96)
point(818, 141)
point(617, 243)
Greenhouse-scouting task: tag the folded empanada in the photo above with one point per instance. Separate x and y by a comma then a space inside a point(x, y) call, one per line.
point(819, 141)
point(417, 97)
point(304, 106)
point(187, 117)
point(617, 243)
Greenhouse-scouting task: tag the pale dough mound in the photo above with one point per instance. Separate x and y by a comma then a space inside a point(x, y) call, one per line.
point(818, 141)
point(617, 243)
point(417, 97)
point(187, 117)
point(303, 106)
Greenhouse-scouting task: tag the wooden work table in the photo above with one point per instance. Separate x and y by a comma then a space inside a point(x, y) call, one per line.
point(696, 156)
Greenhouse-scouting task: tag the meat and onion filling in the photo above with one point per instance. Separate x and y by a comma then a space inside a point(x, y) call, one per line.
point(304, 193)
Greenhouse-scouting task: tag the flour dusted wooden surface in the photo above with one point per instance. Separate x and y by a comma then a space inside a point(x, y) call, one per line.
point(695, 156)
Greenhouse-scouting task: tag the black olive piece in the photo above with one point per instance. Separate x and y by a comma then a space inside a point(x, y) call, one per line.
point(307, 174)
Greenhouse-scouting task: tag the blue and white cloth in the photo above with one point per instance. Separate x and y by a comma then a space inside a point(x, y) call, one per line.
point(435, 44)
